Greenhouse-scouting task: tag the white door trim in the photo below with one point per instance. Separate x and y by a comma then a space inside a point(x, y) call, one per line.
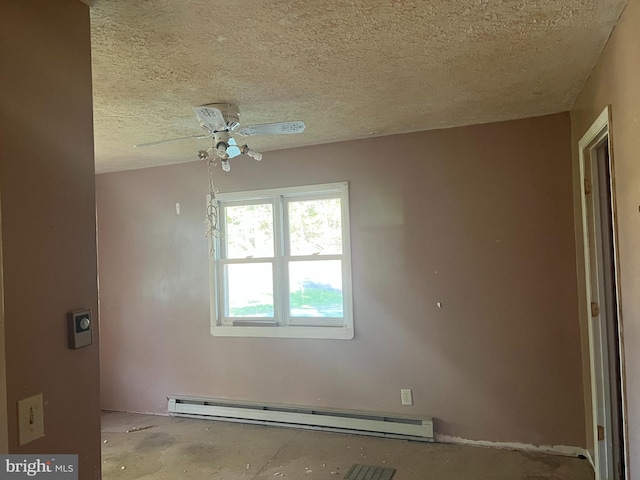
point(598, 347)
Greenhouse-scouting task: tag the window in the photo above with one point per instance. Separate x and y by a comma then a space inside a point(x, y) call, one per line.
point(282, 264)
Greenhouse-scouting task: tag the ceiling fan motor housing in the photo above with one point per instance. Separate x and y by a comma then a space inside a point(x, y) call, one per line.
point(230, 113)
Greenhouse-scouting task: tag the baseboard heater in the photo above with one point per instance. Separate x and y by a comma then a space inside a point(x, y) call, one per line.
point(365, 423)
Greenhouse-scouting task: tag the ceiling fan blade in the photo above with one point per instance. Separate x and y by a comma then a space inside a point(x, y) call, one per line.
point(211, 117)
point(280, 128)
point(172, 140)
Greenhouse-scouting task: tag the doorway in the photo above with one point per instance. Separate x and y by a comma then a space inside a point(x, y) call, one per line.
point(603, 301)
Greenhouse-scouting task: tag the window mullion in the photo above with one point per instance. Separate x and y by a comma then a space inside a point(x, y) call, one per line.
point(312, 258)
point(284, 209)
point(239, 261)
point(279, 286)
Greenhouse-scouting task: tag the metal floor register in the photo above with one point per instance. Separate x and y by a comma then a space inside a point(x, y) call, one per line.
point(369, 472)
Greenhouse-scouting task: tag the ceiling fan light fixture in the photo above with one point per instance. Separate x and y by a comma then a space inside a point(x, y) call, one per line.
point(221, 150)
point(251, 153)
point(255, 155)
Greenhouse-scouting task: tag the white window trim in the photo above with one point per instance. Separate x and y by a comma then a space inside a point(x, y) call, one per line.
point(302, 327)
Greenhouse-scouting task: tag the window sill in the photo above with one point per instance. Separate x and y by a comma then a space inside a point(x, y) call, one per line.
point(335, 333)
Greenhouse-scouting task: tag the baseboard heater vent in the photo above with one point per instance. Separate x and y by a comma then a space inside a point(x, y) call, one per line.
point(365, 423)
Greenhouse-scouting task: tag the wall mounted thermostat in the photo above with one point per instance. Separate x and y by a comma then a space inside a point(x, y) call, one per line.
point(79, 329)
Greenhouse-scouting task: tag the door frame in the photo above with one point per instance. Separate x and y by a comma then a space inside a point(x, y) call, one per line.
point(600, 367)
point(4, 412)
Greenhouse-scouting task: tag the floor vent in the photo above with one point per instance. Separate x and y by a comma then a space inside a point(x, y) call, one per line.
point(369, 472)
point(384, 425)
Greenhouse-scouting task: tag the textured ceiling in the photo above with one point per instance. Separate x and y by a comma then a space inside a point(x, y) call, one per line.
point(350, 69)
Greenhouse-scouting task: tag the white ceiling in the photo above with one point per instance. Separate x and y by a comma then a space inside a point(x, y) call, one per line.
point(350, 69)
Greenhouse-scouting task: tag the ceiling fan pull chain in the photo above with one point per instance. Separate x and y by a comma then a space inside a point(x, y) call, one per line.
point(211, 221)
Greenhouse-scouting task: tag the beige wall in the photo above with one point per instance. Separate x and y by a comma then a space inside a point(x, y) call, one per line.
point(477, 218)
point(615, 80)
point(47, 184)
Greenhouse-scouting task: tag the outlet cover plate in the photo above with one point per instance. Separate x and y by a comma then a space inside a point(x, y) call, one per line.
point(30, 419)
point(406, 396)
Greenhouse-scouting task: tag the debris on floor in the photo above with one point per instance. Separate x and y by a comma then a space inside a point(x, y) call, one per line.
point(138, 429)
point(225, 450)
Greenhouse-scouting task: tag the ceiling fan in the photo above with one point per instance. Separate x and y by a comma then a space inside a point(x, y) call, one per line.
point(221, 121)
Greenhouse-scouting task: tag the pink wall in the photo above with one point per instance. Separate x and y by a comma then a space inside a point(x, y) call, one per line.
point(615, 80)
point(478, 218)
point(47, 184)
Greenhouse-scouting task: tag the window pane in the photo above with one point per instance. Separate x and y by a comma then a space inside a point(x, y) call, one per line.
point(249, 231)
point(315, 289)
point(249, 290)
point(315, 227)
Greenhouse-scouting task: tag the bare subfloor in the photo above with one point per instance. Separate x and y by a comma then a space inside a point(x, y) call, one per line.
point(181, 448)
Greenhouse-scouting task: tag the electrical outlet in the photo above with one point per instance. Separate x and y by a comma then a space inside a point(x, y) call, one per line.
point(30, 419)
point(406, 396)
